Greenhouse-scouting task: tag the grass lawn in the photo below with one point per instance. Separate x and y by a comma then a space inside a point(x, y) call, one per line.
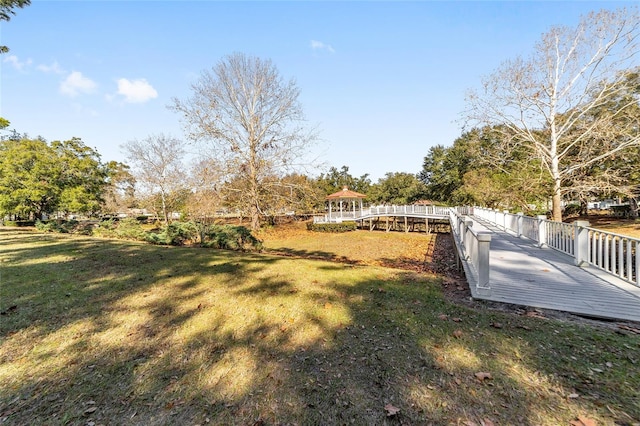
point(109, 332)
point(629, 227)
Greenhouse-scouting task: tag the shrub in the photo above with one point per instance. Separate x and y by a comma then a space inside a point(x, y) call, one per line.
point(332, 227)
point(129, 229)
point(19, 223)
point(175, 234)
point(62, 226)
point(571, 210)
point(230, 238)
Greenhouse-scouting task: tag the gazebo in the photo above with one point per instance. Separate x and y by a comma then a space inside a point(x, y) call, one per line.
point(345, 201)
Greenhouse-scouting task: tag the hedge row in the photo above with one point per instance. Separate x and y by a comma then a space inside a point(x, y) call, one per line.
point(332, 227)
point(175, 234)
point(19, 223)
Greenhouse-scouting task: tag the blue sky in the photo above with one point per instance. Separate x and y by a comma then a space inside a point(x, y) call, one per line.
point(382, 81)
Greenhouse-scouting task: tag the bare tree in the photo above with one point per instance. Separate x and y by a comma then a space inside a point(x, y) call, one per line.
point(157, 165)
point(252, 121)
point(546, 102)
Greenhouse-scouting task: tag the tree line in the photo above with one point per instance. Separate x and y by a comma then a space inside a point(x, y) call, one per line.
point(561, 124)
point(40, 179)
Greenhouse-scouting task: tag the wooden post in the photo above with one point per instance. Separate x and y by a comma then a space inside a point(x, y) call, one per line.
point(581, 247)
point(406, 226)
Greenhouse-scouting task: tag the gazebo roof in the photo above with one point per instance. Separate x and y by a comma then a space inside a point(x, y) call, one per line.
point(345, 193)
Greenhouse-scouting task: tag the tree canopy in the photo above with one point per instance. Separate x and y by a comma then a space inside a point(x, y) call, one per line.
point(37, 178)
point(7, 10)
point(559, 104)
point(249, 122)
point(397, 188)
point(157, 163)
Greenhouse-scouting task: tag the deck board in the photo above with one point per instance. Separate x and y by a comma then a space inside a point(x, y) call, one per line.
point(522, 273)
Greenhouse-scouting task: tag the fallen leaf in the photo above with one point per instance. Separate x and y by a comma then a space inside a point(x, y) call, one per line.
point(327, 305)
point(573, 396)
point(443, 317)
point(486, 422)
point(483, 376)
point(496, 325)
point(391, 410)
point(458, 334)
point(583, 421)
point(90, 410)
point(456, 319)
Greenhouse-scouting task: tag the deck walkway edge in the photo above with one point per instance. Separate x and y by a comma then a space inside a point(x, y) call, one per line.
point(523, 274)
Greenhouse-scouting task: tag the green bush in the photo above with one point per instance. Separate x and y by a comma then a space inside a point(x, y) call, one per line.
point(174, 234)
point(230, 238)
point(332, 227)
point(62, 226)
point(571, 210)
point(129, 229)
point(126, 229)
point(19, 223)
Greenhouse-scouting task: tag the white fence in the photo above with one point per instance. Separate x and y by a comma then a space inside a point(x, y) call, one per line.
point(474, 250)
point(616, 254)
point(367, 212)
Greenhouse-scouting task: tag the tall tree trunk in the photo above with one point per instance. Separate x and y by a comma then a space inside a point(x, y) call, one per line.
point(556, 200)
point(633, 207)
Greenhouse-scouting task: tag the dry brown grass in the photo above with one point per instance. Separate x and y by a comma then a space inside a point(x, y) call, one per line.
point(110, 332)
point(393, 249)
point(630, 227)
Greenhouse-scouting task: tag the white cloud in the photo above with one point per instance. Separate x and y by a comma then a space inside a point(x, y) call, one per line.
point(136, 91)
point(76, 83)
point(53, 68)
point(318, 45)
point(16, 63)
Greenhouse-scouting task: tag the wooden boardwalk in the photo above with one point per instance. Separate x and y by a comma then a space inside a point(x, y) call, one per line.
point(524, 274)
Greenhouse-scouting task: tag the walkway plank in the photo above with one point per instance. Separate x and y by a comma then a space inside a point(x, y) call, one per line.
point(524, 274)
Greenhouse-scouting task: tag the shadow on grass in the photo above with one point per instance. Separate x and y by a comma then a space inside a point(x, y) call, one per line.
point(310, 254)
point(121, 333)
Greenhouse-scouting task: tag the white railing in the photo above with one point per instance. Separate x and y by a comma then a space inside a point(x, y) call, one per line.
point(616, 254)
point(473, 249)
point(619, 255)
point(409, 210)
